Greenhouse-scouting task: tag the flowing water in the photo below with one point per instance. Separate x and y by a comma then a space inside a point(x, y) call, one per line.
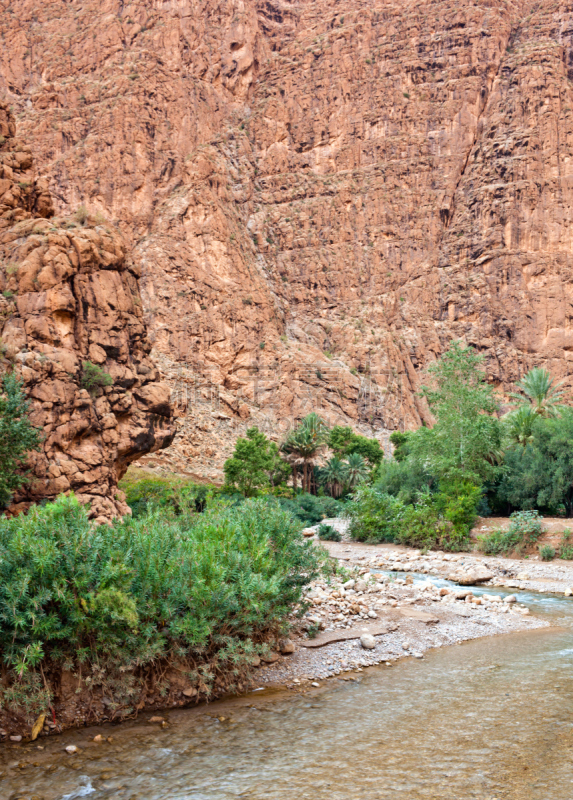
point(491, 718)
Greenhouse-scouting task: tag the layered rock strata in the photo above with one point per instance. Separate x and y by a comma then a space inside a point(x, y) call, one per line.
point(319, 196)
point(70, 299)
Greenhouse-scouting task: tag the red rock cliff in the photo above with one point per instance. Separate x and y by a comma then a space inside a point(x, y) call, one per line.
point(69, 296)
point(319, 195)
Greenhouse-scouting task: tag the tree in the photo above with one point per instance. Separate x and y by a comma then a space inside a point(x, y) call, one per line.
point(17, 437)
point(356, 470)
point(255, 464)
point(333, 476)
point(539, 394)
point(399, 441)
point(465, 442)
point(304, 444)
point(343, 441)
point(519, 426)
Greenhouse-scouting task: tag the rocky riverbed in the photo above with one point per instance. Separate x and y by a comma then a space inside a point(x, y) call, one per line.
point(377, 608)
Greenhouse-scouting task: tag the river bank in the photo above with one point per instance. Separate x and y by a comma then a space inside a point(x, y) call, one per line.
point(383, 593)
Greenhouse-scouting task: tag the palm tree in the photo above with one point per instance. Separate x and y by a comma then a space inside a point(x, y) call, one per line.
point(304, 444)
point(333, 476)
point(356, 470)
point(538, 391)
point(520, 425)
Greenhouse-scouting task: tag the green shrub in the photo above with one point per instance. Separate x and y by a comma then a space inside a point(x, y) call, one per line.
point(17, 437)
point(169, 493)
point(200, 590)
point(310, 509)
point(374, 516)
point(94, 378)
point(256, 464)
point(525, 527)
point(547, 552)
point(328, 533)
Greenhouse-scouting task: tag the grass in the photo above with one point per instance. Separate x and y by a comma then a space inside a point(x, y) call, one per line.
point(525, 528)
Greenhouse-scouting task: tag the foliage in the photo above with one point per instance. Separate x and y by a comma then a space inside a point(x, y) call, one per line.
point(565, 546)
point(519, 425)
point(465, 442)
point(404, 479)
point(525, 527)
point(303, 445)
point(94, 378)
point(17, 437)
point(328, 533)
point(538, 393)
point(356, 470)
point(547, 552)
point(171, 493)
point(442, 519)
point(255, 464)
point(399, 441)
point(114, 600)
point(344, 442)
point(539, 475)
point(333, 476)
point(310, 509)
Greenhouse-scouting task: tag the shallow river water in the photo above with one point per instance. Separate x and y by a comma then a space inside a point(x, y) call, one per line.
point(491, 718)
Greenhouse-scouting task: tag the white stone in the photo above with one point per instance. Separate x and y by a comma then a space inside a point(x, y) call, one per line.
point(367, 641)
point(511, 598)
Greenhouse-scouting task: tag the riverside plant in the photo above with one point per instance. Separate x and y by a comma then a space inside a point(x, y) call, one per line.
point(117, 605)
point(525, 528)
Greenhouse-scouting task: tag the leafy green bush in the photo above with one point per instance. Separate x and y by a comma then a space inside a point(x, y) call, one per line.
point(547, 552)
point(201, 590)
point(443, 519)
point(310, 509)
point(539, 475)
point(17, 437)
point(94, 378)
point(404, 479)
point(374, 516)
point(525, 527)
point(344, 442)
point(328, 533)
point(255, 464)
point(171, 493)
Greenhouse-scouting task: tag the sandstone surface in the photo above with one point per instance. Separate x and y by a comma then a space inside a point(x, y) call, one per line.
point(319, 196)
point(69, 297)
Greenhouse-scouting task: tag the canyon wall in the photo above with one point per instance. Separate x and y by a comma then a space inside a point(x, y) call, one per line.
point(319, 195)
point(70, 299)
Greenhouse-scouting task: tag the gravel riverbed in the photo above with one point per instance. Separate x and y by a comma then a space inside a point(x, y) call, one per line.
point(379, 610)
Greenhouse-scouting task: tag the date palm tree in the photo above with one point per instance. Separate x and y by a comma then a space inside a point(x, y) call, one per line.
point(356, 470)
point(538, 391)
point(333, 476)
point(303, 445)
point(520, 426)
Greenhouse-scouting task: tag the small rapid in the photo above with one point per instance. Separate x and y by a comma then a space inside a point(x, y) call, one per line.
point(488, 719)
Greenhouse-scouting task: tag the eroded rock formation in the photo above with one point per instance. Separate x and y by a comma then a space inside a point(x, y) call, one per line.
point(319, 195)
point(70, 296)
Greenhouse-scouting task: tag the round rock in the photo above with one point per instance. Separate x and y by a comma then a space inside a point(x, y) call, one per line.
point(367, 641)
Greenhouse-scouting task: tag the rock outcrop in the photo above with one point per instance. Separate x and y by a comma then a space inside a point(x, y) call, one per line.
point(70, 302)
point(319, 196)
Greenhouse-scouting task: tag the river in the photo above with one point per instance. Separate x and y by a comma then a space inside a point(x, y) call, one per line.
point(490, 719)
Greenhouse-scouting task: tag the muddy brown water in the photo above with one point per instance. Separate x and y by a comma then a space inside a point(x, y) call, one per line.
point(491, 718)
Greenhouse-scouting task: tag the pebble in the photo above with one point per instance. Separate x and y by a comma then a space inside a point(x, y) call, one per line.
point(16, 738)
point(511, 598)
point(367, 641)
point(287, 647)
point(71, 749)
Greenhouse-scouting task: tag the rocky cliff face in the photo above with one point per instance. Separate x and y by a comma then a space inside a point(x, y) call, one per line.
point(70, 296)
point(319, 195)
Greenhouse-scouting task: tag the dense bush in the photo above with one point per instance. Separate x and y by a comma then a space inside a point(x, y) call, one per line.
point(525, 528)
point(443, 519)
point(328, 534)
point(170, 493)
point(310, 509)
point(94, 378)
point(344, 442)
point(547, 552)
point(17, 437)
point(201, 589)
point(539, 475)
point(404, 479)
point(256, 464)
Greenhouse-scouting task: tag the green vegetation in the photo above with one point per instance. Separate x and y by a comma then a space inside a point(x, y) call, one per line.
point(144, 492)
point(94, 378)
point(547, 552)
point(17, 437)
point(328, 534)
point(256, 464)
point(344, 442)
point(525, 528)
point(303, 445)
point(118, 604)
